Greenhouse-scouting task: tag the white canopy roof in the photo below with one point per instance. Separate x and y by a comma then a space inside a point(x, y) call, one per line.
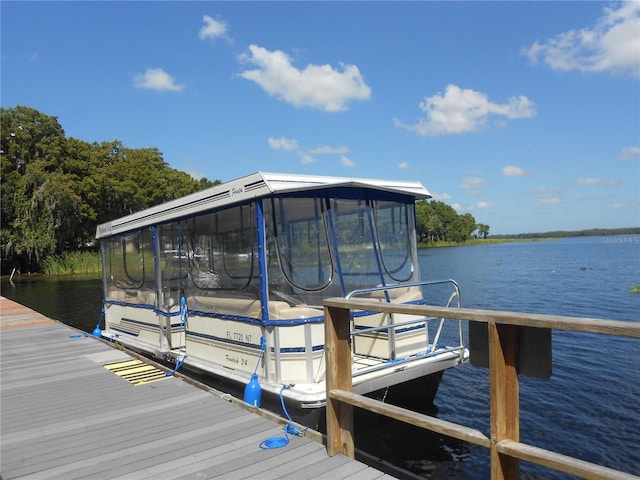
point(257, 185)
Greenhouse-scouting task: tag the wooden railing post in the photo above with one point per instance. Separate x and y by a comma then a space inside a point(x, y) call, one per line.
point(504, 337)
point(504, 397)
point(338, 377)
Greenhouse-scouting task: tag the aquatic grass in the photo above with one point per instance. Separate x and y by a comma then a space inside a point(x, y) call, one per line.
point(635, 289)
point(73, 262)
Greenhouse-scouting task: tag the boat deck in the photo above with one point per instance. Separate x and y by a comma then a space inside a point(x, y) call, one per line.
point(73, 406)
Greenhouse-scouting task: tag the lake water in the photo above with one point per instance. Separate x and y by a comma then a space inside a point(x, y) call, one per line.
point(589, 408)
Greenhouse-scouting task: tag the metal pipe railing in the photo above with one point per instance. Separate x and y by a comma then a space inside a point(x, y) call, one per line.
point(392, 326)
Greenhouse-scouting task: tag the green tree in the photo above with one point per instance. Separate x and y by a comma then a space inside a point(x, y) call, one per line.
point(28, 135)
point(483, 230)
point(446, 215)
point(461, 228)
point(430, 225)
point(437, 221)
point(47, 213)
point(55, 190)
point(31, 145)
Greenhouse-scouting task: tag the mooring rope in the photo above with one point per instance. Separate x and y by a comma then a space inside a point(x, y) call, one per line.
point(289, 428)
point(184, 317)
point(96, 331)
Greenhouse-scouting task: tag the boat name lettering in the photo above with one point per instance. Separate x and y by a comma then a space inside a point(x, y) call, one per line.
point(238, 337)
point(238, 361)
point(237, 191)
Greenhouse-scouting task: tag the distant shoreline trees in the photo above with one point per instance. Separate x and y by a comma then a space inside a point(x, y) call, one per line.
point(438, 222)
point(590, 232)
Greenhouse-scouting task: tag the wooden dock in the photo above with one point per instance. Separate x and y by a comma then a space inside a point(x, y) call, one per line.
point(73, 406)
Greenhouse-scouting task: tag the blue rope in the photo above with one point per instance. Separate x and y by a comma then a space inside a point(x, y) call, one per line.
point(275, 442)
point(184, 311)
point(289, 429)
point(85, 334)
point(100, 319)
point(178, 365)
point(184, 317)
point(263, 346)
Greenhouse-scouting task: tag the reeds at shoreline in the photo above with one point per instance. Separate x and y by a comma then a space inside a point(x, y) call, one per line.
point(73, 262)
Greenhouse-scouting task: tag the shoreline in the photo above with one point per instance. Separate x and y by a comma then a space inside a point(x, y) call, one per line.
point(483, 241)
point(421, 245)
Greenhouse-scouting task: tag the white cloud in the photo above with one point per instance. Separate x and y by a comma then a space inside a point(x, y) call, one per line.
point(472, 184)
point(464, 110)
point(305, 158)
point(513, 171)
point(212, 29)
point(347, 162)
point(287, 144)
point(317, 86)
point(629, 153)
point(486, 205)
point(156, 79)
point(403, 165)
point(627, 205)
point(194, 174)
point(328, 150)
point(457, 207)
point(549, 200)
point(308, 156)
point(547, 196)
point(440, 196)
point(612, 45)
point(593, 181)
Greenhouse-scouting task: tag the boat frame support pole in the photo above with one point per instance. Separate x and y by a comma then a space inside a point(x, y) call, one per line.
point(505, 397)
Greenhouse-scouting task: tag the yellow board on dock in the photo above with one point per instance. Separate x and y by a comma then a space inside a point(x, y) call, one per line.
point(136, 372)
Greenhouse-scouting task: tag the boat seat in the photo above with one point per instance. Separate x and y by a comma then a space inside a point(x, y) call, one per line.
point(397, 295)
point(279, 310)
point(250, 307)
point(145, 295)
point(246, 307)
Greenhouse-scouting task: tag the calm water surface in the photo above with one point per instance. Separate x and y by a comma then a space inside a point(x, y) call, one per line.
point(589, 408)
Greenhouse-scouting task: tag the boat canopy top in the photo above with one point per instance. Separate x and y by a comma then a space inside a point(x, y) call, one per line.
point(259, 184)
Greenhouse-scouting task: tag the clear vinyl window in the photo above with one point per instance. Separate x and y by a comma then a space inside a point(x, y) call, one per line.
point(222, 248)
point(300, 243)
point(129, 264)
point(395, 230)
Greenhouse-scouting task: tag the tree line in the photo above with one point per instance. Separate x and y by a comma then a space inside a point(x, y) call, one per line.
point(56, 190)
point(591, 232)
point(438, 222)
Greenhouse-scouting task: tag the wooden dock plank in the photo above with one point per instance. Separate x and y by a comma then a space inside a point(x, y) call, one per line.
point(216, 460)
point(312, 465)
point(112, 442)
point(64, 415)
point(262, 461)
point(190, 462)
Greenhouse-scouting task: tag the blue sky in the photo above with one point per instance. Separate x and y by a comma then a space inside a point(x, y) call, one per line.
point(525, 114)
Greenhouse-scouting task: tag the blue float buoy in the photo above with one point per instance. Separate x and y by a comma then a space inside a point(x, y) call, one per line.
point(97, 332)
point(253, 391)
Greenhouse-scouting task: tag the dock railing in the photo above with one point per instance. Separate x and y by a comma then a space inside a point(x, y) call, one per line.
point(504, 444)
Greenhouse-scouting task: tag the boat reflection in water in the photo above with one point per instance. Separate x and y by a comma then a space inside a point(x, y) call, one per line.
point(231, 280)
